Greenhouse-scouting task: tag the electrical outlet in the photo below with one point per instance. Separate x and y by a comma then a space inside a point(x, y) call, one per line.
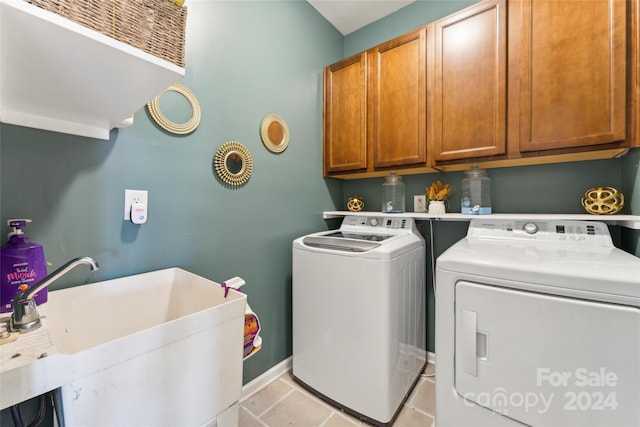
point(420, 203)
point(131, 197)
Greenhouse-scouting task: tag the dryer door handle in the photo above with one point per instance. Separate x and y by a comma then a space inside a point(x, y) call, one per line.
point(467, 341)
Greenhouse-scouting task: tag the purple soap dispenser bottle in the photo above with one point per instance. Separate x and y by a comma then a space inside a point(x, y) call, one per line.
point(22, 263)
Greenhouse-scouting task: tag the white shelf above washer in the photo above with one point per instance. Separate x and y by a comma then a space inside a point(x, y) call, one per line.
point(60, 76)
point(628, 221)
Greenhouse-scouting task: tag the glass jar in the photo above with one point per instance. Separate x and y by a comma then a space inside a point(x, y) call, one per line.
point(476, 192)
point(393, 194)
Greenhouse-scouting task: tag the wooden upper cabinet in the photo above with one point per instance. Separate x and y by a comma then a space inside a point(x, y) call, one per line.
point(568, 75)
point(397, 110)
point(470, 86)
point(506, 81)
point(345, 115)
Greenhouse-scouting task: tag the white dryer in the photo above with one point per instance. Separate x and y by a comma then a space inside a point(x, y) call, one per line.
point(359, 314)
point(537, 323)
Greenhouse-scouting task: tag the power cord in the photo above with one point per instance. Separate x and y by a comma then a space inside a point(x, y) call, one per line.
point(433, 279)
point(433, 260)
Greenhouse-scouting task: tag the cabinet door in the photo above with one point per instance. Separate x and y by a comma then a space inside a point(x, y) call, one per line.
point(398, 100)
point(571, 73)
point(470, 83)
point(345, 115)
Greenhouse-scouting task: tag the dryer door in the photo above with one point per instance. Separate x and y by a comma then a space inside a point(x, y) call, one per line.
point(547, 360)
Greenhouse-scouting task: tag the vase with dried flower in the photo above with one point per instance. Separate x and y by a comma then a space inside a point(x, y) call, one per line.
point(438, 193)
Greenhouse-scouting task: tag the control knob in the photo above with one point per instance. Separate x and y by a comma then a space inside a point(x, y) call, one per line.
point(530, 228)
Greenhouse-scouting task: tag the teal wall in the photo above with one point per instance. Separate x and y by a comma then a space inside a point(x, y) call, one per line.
point(245, 59)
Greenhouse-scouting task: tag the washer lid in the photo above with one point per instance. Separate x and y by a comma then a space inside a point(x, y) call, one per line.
point(339, 234)
point(389, 248)
point(339, 243)
point(373, 237)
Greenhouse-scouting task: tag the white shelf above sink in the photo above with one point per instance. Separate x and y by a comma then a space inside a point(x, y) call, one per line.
point(628, 221)
point(60, 76)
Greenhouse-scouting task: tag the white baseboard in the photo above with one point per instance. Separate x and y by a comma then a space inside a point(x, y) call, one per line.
point(266, 378)
point(258, 383)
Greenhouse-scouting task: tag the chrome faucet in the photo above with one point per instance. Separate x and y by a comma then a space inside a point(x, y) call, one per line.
point(25, 316)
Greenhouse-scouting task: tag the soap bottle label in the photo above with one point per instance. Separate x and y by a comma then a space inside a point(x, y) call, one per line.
point(17, 272)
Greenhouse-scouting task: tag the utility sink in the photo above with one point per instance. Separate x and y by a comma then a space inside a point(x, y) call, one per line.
point(119, 346)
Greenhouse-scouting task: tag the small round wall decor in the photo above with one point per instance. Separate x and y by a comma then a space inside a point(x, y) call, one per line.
point(177, 128)
point(275, 133)
point(233, 163)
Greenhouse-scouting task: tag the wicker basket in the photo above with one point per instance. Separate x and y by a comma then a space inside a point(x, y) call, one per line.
point(154, 26)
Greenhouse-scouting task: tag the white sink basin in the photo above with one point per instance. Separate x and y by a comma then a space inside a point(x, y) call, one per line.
point(87, 316)
point(123, 336)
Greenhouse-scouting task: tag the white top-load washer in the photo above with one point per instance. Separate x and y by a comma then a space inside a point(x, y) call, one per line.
point(359, 314)
point(537, 323)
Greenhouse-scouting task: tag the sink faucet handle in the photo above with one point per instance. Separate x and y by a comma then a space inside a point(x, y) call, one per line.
point(25, 312)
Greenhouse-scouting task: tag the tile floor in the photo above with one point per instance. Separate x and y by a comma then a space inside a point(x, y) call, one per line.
point(285, 403)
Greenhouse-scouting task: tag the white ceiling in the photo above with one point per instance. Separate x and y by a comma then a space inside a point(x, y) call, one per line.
point(350, 15)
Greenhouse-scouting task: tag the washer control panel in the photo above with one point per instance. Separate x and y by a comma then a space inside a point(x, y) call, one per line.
point(377, 223)
point(582, 232)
